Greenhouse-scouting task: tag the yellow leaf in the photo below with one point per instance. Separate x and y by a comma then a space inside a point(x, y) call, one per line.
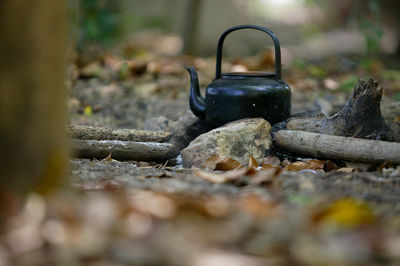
point(348, 212)
point(88, 110)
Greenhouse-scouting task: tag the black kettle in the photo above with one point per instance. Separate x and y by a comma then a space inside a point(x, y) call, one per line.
point(232, 96)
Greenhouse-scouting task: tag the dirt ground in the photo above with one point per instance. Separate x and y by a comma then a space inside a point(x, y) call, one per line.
point(306, 217)
point(159, 213)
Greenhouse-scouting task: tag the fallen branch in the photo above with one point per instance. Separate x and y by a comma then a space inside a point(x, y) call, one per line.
point(336, 147)
point(361, 117)
point(123, 150)
point(102, 133)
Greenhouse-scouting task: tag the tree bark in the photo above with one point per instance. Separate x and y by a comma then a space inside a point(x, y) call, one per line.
point(33, 48)
point(190, 32)
point(124, 150)
point(335, 147)
point(102, 133)
point(361, 117)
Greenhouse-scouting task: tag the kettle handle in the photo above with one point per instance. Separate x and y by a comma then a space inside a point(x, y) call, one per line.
point(269, 32)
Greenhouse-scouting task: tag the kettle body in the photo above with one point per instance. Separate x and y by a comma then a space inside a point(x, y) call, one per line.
point(233, 96)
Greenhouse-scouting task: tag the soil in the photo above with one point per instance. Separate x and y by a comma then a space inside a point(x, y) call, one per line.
point(153, 213)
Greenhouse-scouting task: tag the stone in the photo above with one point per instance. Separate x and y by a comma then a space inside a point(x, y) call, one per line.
point(237, 140)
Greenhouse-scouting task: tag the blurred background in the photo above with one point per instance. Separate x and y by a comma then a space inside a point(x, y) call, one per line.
point(306, 28)
point(142, 48)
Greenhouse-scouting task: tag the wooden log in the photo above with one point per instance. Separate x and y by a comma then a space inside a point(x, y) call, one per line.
point(337, 147)
point(102, 133)
point(361, 117)
point(123, 150)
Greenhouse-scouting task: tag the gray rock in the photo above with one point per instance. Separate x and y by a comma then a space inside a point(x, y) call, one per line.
point(237, 140)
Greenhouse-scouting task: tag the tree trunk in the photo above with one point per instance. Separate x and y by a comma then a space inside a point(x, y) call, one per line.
point(32, 108)
point(192, 18)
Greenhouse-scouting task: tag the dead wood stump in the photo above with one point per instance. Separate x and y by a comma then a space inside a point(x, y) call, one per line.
point(361, 117)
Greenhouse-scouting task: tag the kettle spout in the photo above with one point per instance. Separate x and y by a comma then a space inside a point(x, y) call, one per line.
point(196, 102)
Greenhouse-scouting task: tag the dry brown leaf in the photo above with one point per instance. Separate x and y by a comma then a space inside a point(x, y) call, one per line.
point(257, 206)
point(252, 162)
point(221, 163)
point(108, 158)
point(346, 170)
point(285, 162)
point(273, 160)
point(330, 166)
point(267, 174)
point(251, 171)
point(311, 164)
point(252, 167)
point(268, 166)
point(220, 178)
point(385, 165)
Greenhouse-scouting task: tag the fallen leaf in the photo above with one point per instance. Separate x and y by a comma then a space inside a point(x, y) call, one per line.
point(220, 178)
point(385, 165)
point(88, 111)
point(252, 167)
point(347, 212)
point(311, 164)
point(143, 164)
point(285, 162)
point(272, 160)
point(266, 60)
point(346, 170)
point(108, 158)
point(252, 162)
point(221, 163)
point(267, 174)
point(257, 206)
point(330, 84)
point(330, 166)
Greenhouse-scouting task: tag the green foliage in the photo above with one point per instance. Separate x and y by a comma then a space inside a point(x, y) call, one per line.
point(317, 71)
point(371, 27)
point(124, 71)
point(348, 84)
point(367, 63)
point(300, 64)
point(393, 75)
point(300, 199)
point(99, 22)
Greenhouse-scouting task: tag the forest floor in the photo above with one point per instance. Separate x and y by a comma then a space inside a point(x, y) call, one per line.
point(159, 213)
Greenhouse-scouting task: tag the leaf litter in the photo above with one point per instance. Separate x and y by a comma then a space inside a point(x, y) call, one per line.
point(149, 229)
